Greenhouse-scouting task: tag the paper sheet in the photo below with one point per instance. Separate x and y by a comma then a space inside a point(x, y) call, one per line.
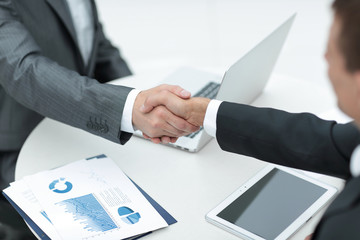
point(20, 193)
point(87, 199)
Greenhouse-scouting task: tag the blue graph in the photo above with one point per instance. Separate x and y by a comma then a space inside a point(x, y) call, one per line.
point(89, 212)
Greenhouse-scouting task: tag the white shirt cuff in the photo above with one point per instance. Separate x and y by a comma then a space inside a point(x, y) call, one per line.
point(210, 117)
point(126, 121)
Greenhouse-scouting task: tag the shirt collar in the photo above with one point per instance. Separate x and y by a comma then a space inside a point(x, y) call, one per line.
point(355, 162)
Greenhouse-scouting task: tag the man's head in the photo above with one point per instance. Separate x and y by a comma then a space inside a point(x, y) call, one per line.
point(343, 56)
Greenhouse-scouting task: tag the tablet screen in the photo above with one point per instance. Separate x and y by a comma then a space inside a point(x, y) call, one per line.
point(272, 204)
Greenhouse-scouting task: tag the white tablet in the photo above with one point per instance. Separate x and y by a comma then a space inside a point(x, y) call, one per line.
point(273, 204)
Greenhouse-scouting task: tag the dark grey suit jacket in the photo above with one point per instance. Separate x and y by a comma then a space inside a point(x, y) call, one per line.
point(42, 74)
point(301, 141)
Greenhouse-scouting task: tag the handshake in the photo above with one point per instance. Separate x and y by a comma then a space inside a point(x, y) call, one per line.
point(167, 112)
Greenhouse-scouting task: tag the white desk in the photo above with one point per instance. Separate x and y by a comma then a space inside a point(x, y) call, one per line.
point(183, 183)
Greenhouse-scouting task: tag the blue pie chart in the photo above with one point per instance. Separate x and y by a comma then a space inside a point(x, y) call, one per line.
point(128, 215)
point(60, 186)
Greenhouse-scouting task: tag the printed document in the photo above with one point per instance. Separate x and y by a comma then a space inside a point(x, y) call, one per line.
point(87, 199)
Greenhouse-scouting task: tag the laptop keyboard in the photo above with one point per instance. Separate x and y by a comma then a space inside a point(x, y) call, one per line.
point(208, 91)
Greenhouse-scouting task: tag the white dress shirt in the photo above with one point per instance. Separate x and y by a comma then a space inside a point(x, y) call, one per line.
point(210, 128)
point(82, 16)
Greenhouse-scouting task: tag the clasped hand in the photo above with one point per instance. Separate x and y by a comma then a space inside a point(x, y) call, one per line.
point(167, 112)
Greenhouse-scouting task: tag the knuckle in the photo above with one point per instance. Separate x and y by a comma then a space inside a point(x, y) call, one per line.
point(163, 92)
point(162, 95)
point(156, 124)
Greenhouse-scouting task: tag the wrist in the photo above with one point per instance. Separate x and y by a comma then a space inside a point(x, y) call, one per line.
point(126, 118)
point(137, 104)
point(197, 110)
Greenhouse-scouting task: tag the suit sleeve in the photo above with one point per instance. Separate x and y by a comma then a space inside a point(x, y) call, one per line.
point(301, 140)
point(42, 85)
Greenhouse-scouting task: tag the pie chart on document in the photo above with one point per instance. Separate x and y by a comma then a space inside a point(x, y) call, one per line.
point(128, 215)
point(60, 186)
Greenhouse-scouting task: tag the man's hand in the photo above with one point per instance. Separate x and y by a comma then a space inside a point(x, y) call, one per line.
point(161, 124)
point(192, 110)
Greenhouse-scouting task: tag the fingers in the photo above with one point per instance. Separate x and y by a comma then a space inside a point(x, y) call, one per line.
point(172, 124)
point(161, 122)
point(177, 90)
point(154, 140)
point(160, 99)
point(155, 100)
point(164, 139)
point(180, 126)
point(173, 139)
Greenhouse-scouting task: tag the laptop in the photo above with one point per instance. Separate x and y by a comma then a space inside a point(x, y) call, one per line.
point(242, 83)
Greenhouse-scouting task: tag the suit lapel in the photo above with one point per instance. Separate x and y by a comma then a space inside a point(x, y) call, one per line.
point(62, 10)
point(91, 63)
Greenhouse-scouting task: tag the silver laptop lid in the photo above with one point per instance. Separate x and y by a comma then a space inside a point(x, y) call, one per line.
point(246, 78)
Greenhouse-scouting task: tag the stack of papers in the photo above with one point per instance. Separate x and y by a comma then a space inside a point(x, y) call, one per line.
point(87, 199)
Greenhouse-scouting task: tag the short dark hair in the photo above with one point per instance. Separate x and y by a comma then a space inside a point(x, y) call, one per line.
point(348, 12)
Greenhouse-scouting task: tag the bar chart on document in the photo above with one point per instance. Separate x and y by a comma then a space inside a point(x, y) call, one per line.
point(89, 212)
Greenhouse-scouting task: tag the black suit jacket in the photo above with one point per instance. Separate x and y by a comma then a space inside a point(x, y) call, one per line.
point(42, 73)
point(301, 141)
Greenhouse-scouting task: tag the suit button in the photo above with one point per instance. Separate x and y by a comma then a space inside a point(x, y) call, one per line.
point(104, 128)
point(89, 125)
point(96, 126)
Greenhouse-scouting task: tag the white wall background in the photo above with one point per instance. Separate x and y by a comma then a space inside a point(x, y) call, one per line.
point(212, 34)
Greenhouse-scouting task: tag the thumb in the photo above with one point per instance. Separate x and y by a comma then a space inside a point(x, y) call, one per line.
point(146, 107)
point(166, 98)
point(155, 100)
